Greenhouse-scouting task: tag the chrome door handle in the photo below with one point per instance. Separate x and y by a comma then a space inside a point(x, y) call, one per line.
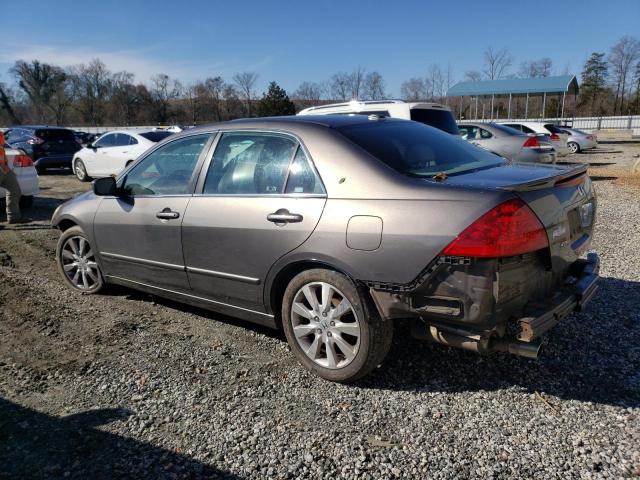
point(167, 214)
point(283, 216)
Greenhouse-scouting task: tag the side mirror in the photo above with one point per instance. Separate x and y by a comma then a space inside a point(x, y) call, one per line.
point(105, 186)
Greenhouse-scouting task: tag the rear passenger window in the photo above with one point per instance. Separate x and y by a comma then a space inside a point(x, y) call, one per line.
point(485, 134)
point(250, 163)
point(302, 176)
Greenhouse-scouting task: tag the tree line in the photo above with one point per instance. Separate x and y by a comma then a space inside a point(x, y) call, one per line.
point(90, 94)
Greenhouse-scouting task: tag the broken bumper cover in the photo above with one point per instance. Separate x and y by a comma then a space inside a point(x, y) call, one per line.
point(577, 290)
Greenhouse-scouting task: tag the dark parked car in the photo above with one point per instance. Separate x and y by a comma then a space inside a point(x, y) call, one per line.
point(332, 227)
point(48, 147)
point(84, 138)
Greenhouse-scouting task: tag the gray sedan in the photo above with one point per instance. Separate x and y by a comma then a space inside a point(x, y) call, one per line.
point(509, 142)
point(579, 140)
point(333, 227)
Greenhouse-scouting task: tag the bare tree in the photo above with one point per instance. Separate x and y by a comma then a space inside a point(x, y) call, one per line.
point(308, 94)
point(43, 84)
point(472, 75)
point(340, 86)
point(413, 89)
point(496, 62)
point(435, 82)
point(92, 87)
point(536, 68)
point(6, 103)
point(126, 98)
point(357, 83)
point(622, 56)
point(163, 91)
point(245, 82)
point(214, 88)
point(450, 76)
point(232, 103)
point(374, 88)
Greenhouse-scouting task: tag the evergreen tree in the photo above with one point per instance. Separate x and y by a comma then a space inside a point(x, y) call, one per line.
point(276, 102)
point(594, 78)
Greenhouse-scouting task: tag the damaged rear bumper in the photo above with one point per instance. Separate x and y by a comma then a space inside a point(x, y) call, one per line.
point(516, 329)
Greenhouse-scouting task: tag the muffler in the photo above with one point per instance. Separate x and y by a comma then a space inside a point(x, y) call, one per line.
point(515, 347)
point(474, 343)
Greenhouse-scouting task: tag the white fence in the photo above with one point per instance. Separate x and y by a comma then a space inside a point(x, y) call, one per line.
point(589, 124)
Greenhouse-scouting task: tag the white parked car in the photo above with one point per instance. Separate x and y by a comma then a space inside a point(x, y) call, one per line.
point(23, 167)
point(558, 138)
point(429, 113)
point(112, 152)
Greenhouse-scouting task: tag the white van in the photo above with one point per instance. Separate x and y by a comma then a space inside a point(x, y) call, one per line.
point(432, 114)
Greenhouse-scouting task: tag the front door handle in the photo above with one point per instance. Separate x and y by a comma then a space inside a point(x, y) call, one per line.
point(283, 216)
point(167, 214)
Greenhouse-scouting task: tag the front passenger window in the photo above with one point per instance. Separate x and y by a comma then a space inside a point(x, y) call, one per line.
point(167, 170)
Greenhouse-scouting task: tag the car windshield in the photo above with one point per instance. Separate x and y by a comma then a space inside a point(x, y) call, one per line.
point(415, 149)
point(156, 136)
point(442, 119)
point(55, 135)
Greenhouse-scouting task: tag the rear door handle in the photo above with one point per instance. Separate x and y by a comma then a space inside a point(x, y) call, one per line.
point(283, 216)
point(167, 214)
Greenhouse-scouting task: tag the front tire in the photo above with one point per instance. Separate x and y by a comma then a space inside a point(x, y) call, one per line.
point(81, 171)
point(332, 327)
point(77, 263)
point(573, 147)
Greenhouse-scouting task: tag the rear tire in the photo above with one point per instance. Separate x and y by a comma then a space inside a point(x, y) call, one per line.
point(26, 201)
point(343, 320)
point(573, 147)
point(81, 171)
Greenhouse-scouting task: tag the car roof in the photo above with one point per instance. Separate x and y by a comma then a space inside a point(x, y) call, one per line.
point(364, 105)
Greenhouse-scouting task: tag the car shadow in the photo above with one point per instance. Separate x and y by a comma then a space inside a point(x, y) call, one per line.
point(38, 445)
point(593, 356)
point(600, 178)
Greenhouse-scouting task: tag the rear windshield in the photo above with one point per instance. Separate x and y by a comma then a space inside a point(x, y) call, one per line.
point(55, 134)
point(505, 129)
point(442, 119)
point(417, 150)
point(156, 136)
point(554, 129)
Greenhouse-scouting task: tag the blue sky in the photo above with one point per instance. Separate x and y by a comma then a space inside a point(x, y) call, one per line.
point(293, 41)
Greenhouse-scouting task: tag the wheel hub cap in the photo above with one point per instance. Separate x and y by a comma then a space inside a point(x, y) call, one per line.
point(325, 325)
point(79, 263)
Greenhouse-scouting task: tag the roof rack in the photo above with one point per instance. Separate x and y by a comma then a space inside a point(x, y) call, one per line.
point(353, 103)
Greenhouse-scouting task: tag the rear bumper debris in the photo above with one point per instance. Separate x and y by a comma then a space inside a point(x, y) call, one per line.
point(518, 334)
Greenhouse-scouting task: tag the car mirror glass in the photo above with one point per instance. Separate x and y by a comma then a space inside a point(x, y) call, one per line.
point(105, 186)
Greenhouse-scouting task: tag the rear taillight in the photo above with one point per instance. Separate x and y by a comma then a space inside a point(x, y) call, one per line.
point(555, 137)
point(35, 141)
point(509, 229)
point(532, 142)
point(22, 161)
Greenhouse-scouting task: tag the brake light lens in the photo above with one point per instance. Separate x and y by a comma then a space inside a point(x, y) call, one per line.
point(22, 161)
point(532, 142)
point(554, 137)
point(509, 229)
point(35, 141)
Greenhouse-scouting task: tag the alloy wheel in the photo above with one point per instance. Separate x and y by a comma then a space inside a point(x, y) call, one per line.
point(325, 325)
point(79, 263)
point(81, 172)
point(573, 147)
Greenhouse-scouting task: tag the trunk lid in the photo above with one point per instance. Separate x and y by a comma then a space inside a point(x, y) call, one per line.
point(562, 197)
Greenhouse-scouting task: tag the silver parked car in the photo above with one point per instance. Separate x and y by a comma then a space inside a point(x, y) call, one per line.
point(509, 142)
point(579, 140)
point(332, 227)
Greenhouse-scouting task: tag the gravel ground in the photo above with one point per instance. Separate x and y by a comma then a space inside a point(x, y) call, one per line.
point(126, 385)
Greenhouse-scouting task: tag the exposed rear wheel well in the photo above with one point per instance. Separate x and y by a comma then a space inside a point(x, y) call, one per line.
point(286, 275)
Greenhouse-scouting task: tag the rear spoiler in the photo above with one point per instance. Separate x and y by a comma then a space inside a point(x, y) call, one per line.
point(562, 178)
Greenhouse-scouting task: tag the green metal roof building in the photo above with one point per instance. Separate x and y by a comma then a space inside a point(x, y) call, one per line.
point(510, 87)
